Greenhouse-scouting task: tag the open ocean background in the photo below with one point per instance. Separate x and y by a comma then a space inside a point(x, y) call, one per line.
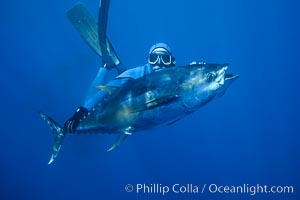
point(249, 136)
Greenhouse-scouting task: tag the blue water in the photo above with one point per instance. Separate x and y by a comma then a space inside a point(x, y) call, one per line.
point(249, 136)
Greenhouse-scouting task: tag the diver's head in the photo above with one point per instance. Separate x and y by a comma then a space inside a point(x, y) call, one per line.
point(160, 57)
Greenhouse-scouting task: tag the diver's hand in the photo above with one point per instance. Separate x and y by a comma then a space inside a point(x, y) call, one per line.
point(72, 123)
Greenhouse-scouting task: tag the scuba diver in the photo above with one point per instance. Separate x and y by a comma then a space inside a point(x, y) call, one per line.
point(160, 57)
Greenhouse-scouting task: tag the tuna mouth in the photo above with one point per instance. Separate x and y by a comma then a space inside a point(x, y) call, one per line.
point(225, 78)
point(231, 77)
point(221, 77)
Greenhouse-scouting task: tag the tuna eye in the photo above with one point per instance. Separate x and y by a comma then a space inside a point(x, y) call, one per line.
point(210, 77)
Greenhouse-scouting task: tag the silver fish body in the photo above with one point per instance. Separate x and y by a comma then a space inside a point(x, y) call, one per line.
point(162, 97)
point(158, 98)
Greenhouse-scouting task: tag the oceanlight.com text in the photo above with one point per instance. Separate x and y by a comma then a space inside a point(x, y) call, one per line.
point(250, 189)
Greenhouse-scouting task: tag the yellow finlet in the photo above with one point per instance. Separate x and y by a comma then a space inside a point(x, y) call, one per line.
point(107, 89)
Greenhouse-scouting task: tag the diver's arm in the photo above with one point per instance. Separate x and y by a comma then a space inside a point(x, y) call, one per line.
point(71, 124)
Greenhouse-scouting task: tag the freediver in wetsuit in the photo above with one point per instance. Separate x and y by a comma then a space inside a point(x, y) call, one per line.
point(160, 57)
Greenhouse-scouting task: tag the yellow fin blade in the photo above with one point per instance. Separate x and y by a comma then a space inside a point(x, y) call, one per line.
point(108, 89)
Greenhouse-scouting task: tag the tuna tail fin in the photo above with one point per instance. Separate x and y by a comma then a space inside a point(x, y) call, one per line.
point(58, 134)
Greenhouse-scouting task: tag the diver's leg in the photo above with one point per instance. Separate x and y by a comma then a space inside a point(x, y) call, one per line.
point(108, 62)
point(109, 55)
point(84, 23)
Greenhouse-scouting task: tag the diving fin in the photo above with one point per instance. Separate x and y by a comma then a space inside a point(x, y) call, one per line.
point(119, 140)
point(85, 24)
point(58, 134)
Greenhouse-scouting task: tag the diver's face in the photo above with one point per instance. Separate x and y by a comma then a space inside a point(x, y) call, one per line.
point(160, 60)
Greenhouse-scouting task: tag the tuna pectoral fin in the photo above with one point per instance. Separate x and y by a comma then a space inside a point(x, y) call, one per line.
point(58, 135)
point(174, 121)
point(119, 140)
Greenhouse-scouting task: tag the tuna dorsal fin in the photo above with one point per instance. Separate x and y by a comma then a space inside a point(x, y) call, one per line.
point(108, 89)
